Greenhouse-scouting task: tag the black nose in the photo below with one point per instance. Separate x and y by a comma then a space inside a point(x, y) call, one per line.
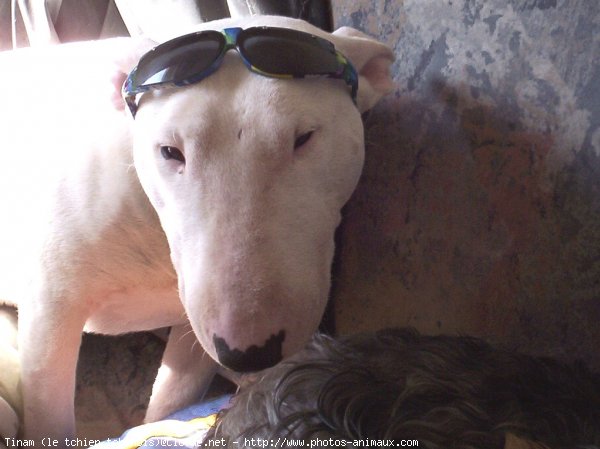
point(254, 358)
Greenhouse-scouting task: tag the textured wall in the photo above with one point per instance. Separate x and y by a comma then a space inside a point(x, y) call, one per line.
point(479, 208)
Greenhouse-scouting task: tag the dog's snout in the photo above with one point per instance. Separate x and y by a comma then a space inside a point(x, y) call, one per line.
point(254, 358)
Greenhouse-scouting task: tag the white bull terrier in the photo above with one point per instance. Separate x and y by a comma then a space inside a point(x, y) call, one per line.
point(215, 206)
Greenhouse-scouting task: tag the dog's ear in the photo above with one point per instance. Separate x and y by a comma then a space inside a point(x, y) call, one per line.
point(125, 60)
point(372, 61)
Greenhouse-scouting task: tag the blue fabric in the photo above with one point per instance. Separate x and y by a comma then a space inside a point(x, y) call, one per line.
point(184, 429)
point(202, 409)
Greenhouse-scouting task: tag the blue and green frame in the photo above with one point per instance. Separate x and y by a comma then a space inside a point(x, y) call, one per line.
point(344, 69)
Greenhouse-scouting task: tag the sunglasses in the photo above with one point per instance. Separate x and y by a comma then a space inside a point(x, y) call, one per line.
point(267, 51)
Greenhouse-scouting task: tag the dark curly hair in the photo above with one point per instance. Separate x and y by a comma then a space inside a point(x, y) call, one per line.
point(444, 392)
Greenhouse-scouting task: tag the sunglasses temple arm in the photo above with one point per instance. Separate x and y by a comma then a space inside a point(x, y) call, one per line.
point(131, 104)
point(351, 78)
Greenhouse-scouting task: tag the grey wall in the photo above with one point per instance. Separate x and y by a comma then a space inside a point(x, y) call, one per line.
point(479, 208)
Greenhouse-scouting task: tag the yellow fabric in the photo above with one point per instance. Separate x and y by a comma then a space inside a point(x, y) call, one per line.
point(515, 442)
point(11, 401)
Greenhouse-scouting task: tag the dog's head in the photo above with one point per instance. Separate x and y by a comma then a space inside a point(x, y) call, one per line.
point(248, 175)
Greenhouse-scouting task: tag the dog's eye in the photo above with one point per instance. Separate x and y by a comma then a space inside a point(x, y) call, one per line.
point(171, 153)
point(302, 139)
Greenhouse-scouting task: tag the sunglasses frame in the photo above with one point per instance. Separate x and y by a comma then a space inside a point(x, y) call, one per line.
point(345, 71)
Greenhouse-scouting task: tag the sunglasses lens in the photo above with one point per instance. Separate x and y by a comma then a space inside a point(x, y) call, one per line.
point(179, 59)
point(288, 52)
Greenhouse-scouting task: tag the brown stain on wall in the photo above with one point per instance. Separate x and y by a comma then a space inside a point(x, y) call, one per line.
point(479, 207)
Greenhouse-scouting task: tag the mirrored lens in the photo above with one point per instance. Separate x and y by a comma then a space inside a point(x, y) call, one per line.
point(288, 52)
point(179, 59)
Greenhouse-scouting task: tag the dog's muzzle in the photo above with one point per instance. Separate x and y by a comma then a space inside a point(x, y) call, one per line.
point(254, 358)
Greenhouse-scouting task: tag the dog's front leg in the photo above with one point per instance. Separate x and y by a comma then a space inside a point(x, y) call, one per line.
point(49, 340)
point(184, 375)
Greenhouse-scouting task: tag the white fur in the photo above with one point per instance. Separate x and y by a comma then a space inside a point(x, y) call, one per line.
point(240, 239)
